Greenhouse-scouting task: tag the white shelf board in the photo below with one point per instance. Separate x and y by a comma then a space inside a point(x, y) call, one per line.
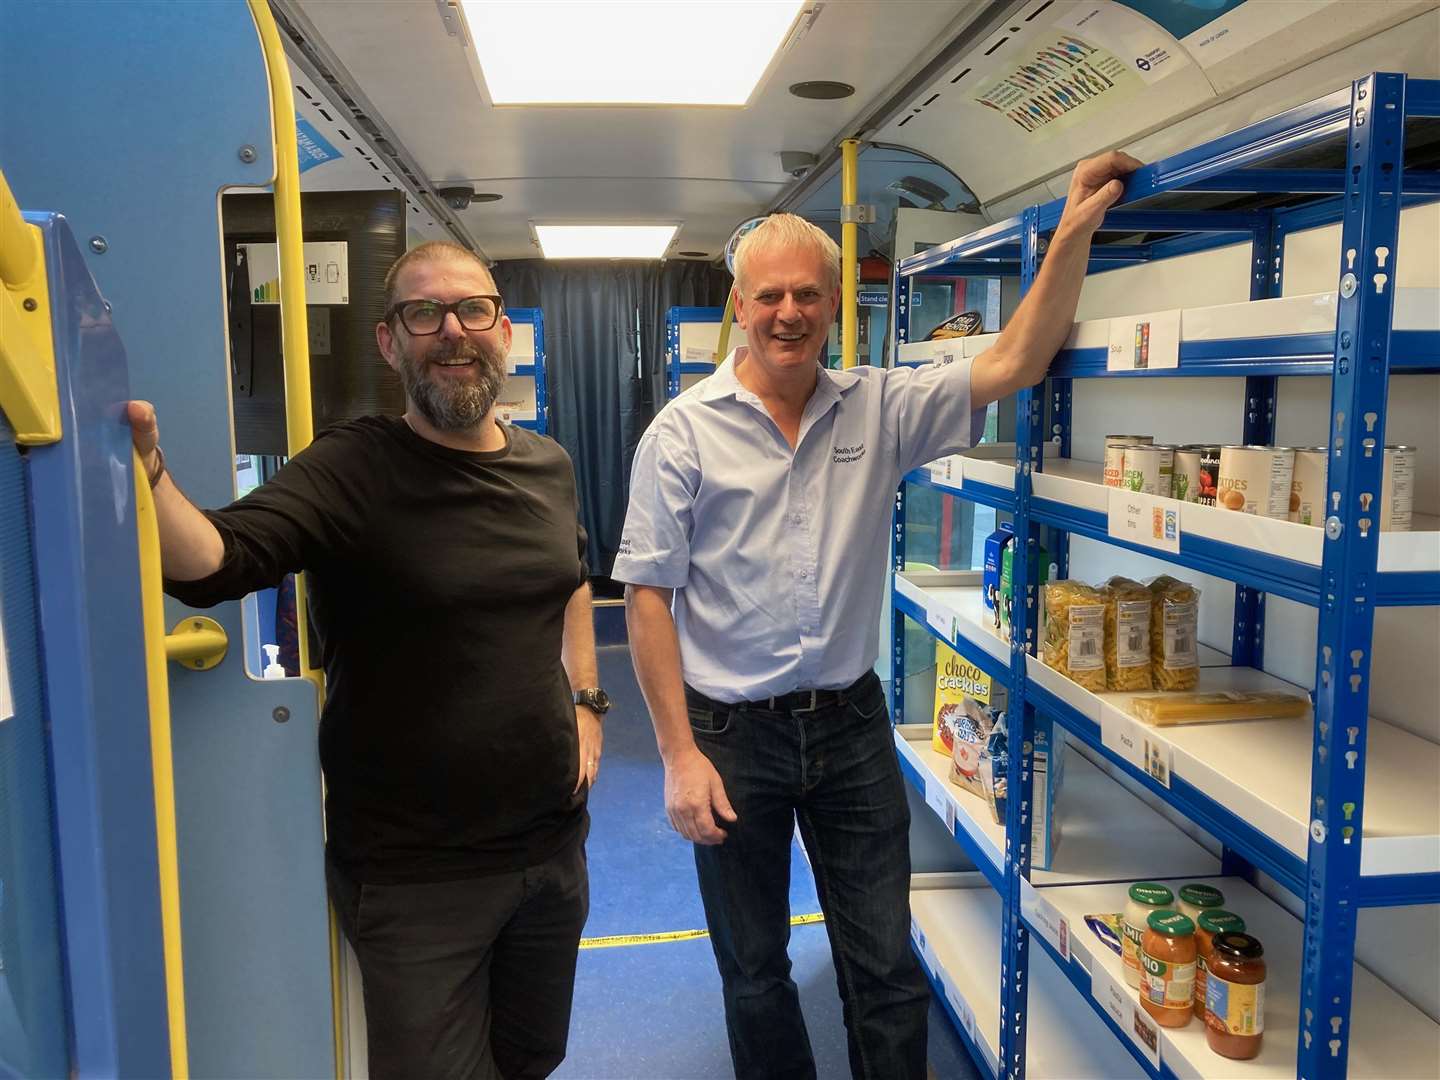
point(1259, 770)
point(1391, 1038)
point(960, 931)
point(947, 595)
point(1309, 313)
point(1106, 833)
point(1078, 483)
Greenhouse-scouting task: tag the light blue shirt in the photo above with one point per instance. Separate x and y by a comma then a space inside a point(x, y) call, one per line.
point(778, 556)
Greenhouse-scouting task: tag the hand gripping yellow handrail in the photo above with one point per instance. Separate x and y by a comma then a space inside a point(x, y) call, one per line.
point(152, 610)
point(29, 394)
point(295, 342)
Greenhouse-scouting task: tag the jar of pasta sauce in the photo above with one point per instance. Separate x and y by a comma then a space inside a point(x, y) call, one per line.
point(1144, 897)
point(1207, 925)
point(1235, 996)
point(1167, 957)
point(1195, 898)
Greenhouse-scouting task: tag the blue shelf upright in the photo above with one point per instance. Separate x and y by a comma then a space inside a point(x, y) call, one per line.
point(536, 370)
point(677, 365)
point(1353, 142)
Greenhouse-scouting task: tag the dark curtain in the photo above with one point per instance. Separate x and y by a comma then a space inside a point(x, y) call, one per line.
point(605, 364)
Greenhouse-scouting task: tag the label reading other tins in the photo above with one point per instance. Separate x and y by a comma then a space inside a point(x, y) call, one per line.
point(942, 622)
point(939, 801)
point(1147, 520)
point(700, 353)
point(1134, 742)
point(1143, 342)
point(1044, 919)
point(1126, 1012)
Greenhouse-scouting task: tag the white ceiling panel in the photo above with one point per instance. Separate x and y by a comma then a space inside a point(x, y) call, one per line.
point(707, 167)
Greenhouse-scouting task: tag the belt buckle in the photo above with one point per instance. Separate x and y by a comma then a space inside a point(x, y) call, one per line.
point(814, 694)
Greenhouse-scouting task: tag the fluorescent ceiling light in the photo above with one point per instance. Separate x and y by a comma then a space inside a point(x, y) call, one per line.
point(604, 241)
point(626, 52)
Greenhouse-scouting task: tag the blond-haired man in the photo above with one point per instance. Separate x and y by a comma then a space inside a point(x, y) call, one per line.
point(754, 553)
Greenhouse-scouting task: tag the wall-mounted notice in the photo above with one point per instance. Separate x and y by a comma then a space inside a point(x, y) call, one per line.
point(1058, 73)
point(327, 272)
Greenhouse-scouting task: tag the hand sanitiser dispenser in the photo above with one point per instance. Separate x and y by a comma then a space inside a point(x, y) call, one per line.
point(273, 670)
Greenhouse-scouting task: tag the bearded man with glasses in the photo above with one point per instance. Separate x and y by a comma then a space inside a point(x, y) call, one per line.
point(461, 730)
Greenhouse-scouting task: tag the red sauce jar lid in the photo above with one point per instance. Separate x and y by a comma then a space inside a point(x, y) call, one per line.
point(1242, 945)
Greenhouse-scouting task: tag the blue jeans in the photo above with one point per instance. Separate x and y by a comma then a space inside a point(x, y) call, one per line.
point(835, 770)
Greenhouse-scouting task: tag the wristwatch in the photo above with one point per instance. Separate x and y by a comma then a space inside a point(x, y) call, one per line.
point(594, 699)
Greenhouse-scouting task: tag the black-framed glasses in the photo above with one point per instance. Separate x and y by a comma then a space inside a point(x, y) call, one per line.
point(423, 317)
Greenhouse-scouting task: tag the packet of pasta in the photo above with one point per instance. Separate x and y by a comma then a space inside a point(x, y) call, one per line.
point(1075, 632)
point(1163, 710)
point(1174, 626)
point(1127, 635)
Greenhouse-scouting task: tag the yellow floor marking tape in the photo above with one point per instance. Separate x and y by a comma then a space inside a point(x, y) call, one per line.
point(617, 940)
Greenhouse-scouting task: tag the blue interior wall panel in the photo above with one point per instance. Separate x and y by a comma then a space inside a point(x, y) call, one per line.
point(32, 992)
point(93, 664)
point(130, 119)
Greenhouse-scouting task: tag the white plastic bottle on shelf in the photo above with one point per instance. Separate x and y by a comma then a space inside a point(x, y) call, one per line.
point(273, 669)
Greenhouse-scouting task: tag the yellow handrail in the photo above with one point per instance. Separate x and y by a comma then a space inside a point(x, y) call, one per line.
point(29, 393)
point(162, 767)
point(295, 342)
point(849, 245)
point(722, 346)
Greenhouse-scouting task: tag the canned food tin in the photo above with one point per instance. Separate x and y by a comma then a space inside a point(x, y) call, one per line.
point(1114, 474)
point(1307, 486)
point(1147, 439)
point(1149, 469)
point(1195, 472)
point(1256, 480)
point(1397, 489)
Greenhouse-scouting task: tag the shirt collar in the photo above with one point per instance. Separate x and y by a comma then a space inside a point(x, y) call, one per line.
point(724, 383)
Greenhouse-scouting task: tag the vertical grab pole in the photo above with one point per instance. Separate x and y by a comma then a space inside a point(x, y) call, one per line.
point(162, 765)
point(294, 334)
point(849, 247)
point(295, 349)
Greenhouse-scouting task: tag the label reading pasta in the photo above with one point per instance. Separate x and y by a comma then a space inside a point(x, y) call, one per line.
point(1087, 637)
point(1181, 649)
point(1132, 633)
point(1238, 1007)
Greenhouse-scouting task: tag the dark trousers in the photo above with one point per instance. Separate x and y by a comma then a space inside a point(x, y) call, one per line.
point(835, 770)
point(468, 979)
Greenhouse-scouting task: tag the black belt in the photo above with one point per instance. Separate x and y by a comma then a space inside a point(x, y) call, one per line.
point(797, 701)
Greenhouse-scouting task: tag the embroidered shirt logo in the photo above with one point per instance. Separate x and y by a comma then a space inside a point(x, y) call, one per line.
point(846, 454)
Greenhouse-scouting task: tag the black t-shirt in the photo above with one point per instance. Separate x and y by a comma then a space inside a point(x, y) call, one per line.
point(438, 582)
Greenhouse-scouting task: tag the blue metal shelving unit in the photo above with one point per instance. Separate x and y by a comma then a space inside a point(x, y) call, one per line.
point(1364, 127)
point(676, 366)
point(537, 371)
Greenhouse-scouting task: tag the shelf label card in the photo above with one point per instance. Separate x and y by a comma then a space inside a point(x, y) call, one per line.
point(1144, 342)
point(961, 1007)
point(1117, 1001)
point(939, 800)
point(699, 353)
point(1137, 743)
point(942, 622)
point(1147, 520)
point(1044, 919)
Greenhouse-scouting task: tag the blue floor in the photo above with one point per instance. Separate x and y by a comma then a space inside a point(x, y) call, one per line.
point(654, 1010)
